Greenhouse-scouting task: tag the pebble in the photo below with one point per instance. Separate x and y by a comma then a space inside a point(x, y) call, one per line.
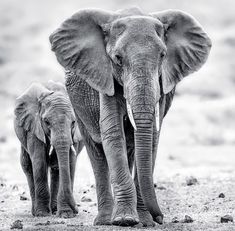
point(23, 198)
point(226, 219)
point(86, 199)
point(17, 225)
point(3, 139)
point(161, 188)
point(187, 219)
point(191, 181)
point(175, 220)
point(221, 195)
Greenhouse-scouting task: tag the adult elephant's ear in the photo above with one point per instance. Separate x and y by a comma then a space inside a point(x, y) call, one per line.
point(187, 45)
point(79, 47)
point(27, 110)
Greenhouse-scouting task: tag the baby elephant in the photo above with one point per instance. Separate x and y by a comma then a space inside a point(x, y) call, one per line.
point(45, 125)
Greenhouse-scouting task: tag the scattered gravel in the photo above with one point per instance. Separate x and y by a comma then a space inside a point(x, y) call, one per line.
point(191, 181)
point(86, 199)
point(23, 198)
point(175, 220)
point(17, 225)
point(187, 219)
point(221, 195)
point(226, 219)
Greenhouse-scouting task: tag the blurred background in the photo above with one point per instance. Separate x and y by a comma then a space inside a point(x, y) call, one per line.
point(198, 135)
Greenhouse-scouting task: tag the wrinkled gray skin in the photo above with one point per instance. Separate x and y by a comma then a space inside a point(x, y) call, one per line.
point(118, 59)
point(44, 120)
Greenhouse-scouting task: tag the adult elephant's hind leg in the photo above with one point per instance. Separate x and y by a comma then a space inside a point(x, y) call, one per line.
point(114, 143)
point(102, 178)
point(26, 165)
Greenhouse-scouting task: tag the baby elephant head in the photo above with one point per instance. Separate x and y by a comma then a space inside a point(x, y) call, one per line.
point(46, 112)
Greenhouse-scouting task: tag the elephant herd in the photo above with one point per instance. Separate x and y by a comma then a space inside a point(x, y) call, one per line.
point(121, 70)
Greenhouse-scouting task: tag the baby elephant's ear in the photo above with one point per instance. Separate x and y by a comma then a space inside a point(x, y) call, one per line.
point(79, 47)
point(27, 110)
point(188, 46)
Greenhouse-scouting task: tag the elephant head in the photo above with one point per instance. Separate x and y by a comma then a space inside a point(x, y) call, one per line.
point(47, 112)
point(147, 54)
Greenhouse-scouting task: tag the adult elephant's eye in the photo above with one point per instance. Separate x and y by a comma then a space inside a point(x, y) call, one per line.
point(118, 60)
point(47, 122)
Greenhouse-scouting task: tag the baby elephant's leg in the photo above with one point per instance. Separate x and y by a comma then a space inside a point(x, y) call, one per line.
point(54, 169)
point(38, 154)
point(27, 168)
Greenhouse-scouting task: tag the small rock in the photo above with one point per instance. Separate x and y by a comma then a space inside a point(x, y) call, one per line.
point(86, 199)
point(2, 184)
point(205, 208)
point(2, 201)
point(93, 186)
point(175, 220)
point(17, 225)
point(23, 198)
point(93, 204)
point(191, 181)
point(187, 219)
point(161, 188)
point(155, 185)
point(221, 195)
point(171, 157)
point(78, 205)
point(43, 224)
point(84, 210)
point(226, 219)
point(3, 139)
point(15, 188)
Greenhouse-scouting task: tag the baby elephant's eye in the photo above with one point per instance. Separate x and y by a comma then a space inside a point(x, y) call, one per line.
point(46, 121)
point(73, 124)
point(163, 54)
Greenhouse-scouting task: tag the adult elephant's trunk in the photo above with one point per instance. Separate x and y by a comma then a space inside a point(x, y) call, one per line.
point(143, 93)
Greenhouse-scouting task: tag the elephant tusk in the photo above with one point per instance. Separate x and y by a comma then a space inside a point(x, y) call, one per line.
point(50, 151)
point(73, 150)
point(130, 115)
point(157, 112)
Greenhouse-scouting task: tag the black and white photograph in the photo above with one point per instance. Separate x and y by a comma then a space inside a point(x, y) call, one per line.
point(117, 115)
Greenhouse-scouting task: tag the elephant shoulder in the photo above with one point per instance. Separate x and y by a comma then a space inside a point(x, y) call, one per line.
point(86, 104)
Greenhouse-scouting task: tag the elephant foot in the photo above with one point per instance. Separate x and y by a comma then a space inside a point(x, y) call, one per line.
point(125, 216)
point(159, 219)
point(103, 219)
point(42, 213)
point(54, 208)
point(146, 219)
point(66, 214)
point(66, 207)
point(40, 210)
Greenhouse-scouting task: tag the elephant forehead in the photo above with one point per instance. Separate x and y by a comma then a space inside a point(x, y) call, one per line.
point(138, 24)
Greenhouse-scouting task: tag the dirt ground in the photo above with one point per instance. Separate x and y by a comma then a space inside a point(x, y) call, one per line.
point(197, 138)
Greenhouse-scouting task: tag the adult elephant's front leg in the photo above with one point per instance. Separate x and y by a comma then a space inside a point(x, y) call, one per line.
point(113, 139)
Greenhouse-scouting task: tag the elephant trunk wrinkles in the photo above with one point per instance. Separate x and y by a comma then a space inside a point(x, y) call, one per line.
point(62, 147)
point(143, 100)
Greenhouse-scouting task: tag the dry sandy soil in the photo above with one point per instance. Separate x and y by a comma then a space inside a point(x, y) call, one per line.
point(197, 139)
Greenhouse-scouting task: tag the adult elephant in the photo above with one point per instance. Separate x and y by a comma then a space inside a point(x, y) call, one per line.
point(119, 64)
